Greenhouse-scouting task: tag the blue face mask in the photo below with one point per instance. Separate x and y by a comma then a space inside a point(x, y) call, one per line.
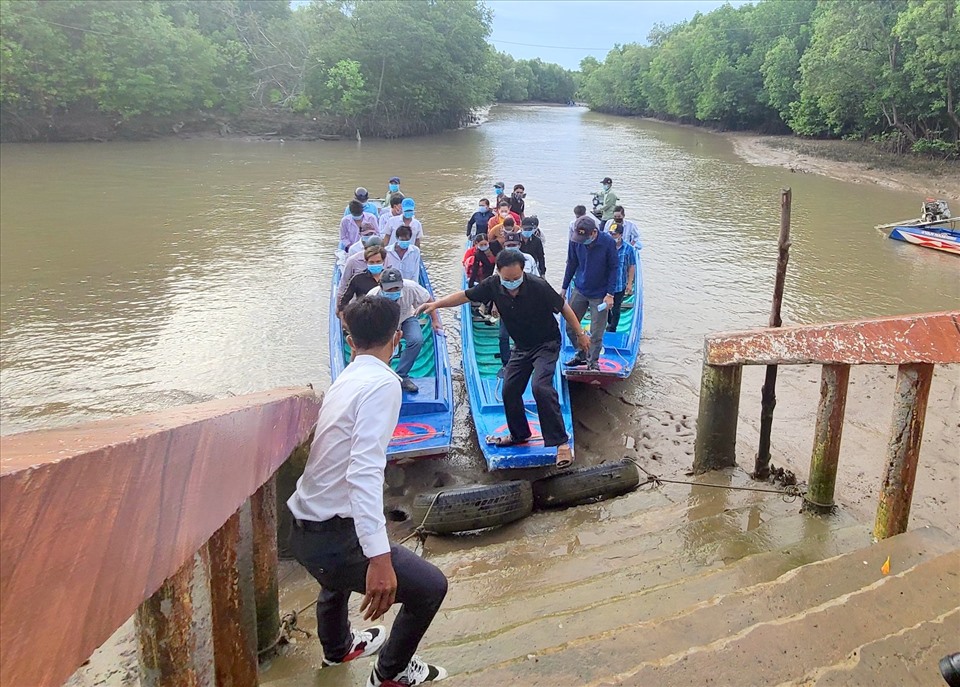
point(527, 234)
point(357, 218)
point(392, 295)
point(374, 269)
point(498, 191)
point(511, 285)
point(485, 248)
point(482, 209)
point(366, 240)
point(590, 240)
point(403, 244)
point(408, 214)
point(606, 187)
point(394, 188)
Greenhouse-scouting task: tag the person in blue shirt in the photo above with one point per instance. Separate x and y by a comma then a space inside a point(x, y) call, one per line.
point(362, 195)
point(480, 220)
point(592, 266)
point(626, 272)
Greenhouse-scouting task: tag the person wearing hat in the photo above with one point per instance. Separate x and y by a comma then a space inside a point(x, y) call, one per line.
point(363, 196)
point(528, 307)
point(609, 201)
point(339, 531)
point(592, 266)
point(479, 221)
point(406, 217)
point(498, 192)
point(516, 200)
point(513, 240)
point(410, 295)
point(356, 263)
point(531, 244)
point(393, 186)
point(367, 234)
point(354, 222)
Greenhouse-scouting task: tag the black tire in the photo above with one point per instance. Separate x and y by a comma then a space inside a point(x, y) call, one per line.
point(584, 485)
point(462, 509)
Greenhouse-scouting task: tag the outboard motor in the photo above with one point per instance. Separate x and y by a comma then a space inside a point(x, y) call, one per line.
point(597, 202)
point(934, 210)
point(950, 669)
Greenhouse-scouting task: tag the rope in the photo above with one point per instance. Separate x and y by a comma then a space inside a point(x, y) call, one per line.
point(790, 492)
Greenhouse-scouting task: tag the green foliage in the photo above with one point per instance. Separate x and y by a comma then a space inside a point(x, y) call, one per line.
point(524, 80)
point(850, 68)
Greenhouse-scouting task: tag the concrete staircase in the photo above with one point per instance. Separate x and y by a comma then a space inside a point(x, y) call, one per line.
point(676, 586)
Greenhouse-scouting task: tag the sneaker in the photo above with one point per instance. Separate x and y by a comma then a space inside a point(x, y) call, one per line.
point(408, 385)
point(593, 367)
point(416, 673)
point(576, 361)
point(365, 643)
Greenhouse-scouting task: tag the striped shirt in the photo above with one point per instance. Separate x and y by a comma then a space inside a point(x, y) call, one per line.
point(626, 256)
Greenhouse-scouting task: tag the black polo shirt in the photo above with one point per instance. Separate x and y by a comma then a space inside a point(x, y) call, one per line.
point(530, 316)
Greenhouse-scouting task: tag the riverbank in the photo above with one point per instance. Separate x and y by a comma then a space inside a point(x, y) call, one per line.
point(851, 161)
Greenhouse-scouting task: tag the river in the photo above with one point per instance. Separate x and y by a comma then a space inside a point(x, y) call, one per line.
point(143, 275)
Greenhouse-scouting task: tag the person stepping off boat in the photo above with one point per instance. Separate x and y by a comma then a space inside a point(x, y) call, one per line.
point(592, 265)
point(410, 296)
point(528, 306)
point(339, 531)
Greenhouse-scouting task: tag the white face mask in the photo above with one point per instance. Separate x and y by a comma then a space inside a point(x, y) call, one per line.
point(504, 214)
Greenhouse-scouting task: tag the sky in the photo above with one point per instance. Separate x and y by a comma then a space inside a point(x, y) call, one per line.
point(566, 31)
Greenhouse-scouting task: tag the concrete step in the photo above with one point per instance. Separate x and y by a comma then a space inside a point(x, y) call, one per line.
point(782, 649)
point(705, 615)
point(905, 658)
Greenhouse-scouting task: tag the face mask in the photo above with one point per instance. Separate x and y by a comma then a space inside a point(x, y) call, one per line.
point(403, 244)
point(357, 218)
point(589, 241)
point(365, 240)
point(482, 209)
point(618, 220)
point(374, 269)
point(392, 295)
point(606, 187)
point(513, 247)
point(394, 188)
point(498, 191)
point(527, 234)
point(408, 214)
point(504, 214)
point(511, 285)
point(485, 248)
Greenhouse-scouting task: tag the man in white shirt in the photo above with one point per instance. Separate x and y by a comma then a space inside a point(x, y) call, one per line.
point(405, 217)
point(339, 533)
point(407, 256)
point(367, 236)
point(410, 295)
point(631, 233)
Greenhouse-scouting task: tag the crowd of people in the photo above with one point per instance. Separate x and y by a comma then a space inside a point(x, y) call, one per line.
point(339, 531)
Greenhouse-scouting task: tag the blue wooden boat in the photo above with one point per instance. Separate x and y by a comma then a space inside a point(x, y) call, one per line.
point(620, 348)
point(480, 366)
point(425, 427)
point(940, 238)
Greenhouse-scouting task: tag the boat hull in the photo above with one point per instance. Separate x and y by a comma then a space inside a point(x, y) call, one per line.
point(937, 238)
point(620, 349)
point(425, 426)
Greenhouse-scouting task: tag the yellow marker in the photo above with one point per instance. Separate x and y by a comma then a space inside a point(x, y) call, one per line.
point(885, 568)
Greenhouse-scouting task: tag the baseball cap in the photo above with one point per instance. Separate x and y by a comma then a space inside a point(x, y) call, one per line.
point(407, 204)
point(511, 237)
point(531, 221)
point(499, 184)
point(582, 230)
point(607, 180)
point(361, 193)
point(394, 180)
point(391, 280)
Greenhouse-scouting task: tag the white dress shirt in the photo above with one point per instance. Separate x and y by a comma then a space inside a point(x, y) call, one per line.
point(631, 233)
point(344, 474)
point(409, 264)
point(412, 296)
point(391, 228)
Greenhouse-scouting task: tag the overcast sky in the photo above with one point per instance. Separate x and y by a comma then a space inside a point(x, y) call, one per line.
point(566, 31)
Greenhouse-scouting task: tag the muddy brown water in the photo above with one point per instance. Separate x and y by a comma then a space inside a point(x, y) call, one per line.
point(135, 277)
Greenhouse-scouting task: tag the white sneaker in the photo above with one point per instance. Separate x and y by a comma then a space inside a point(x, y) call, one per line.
point(416, 673)
point(365, 643)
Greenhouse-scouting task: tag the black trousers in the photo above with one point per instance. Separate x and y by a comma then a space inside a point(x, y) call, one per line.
point(613, 319)
point(540, 363)
point(330, 551)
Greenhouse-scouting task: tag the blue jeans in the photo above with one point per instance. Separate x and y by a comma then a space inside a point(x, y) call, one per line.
point(504, 344)
point(413, 342)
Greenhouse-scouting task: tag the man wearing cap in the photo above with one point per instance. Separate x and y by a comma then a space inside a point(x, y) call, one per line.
point(354, 222)
point(406, 217)
point(592, 266)
point(608, 202)
point(531, 244)
point(356, 263)
point(393, 186)
point(528, 305)
point(410, 296)
point(498, 193)
point(363, 196)
point(367, 234)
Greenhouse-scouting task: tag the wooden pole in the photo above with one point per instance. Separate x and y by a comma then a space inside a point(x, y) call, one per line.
point(716, 444)
point(234, 655)
point(903, 451)
point(768, 397)
point(826, 439)
point(263, 516)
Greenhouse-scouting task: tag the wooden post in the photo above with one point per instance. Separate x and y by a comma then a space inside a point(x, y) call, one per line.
point(167, 633)
point(235, 660)
point(826, 438)
point(263, 516)
point(716, 445)
point(768, 397)
point(903, 451)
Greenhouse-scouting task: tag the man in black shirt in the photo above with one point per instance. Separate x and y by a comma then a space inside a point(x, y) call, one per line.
point(516, 200)
point(528, 306)
point(531, 244)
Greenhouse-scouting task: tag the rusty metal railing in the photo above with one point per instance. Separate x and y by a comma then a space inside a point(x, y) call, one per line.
point(142, 515)
point(915, 343)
